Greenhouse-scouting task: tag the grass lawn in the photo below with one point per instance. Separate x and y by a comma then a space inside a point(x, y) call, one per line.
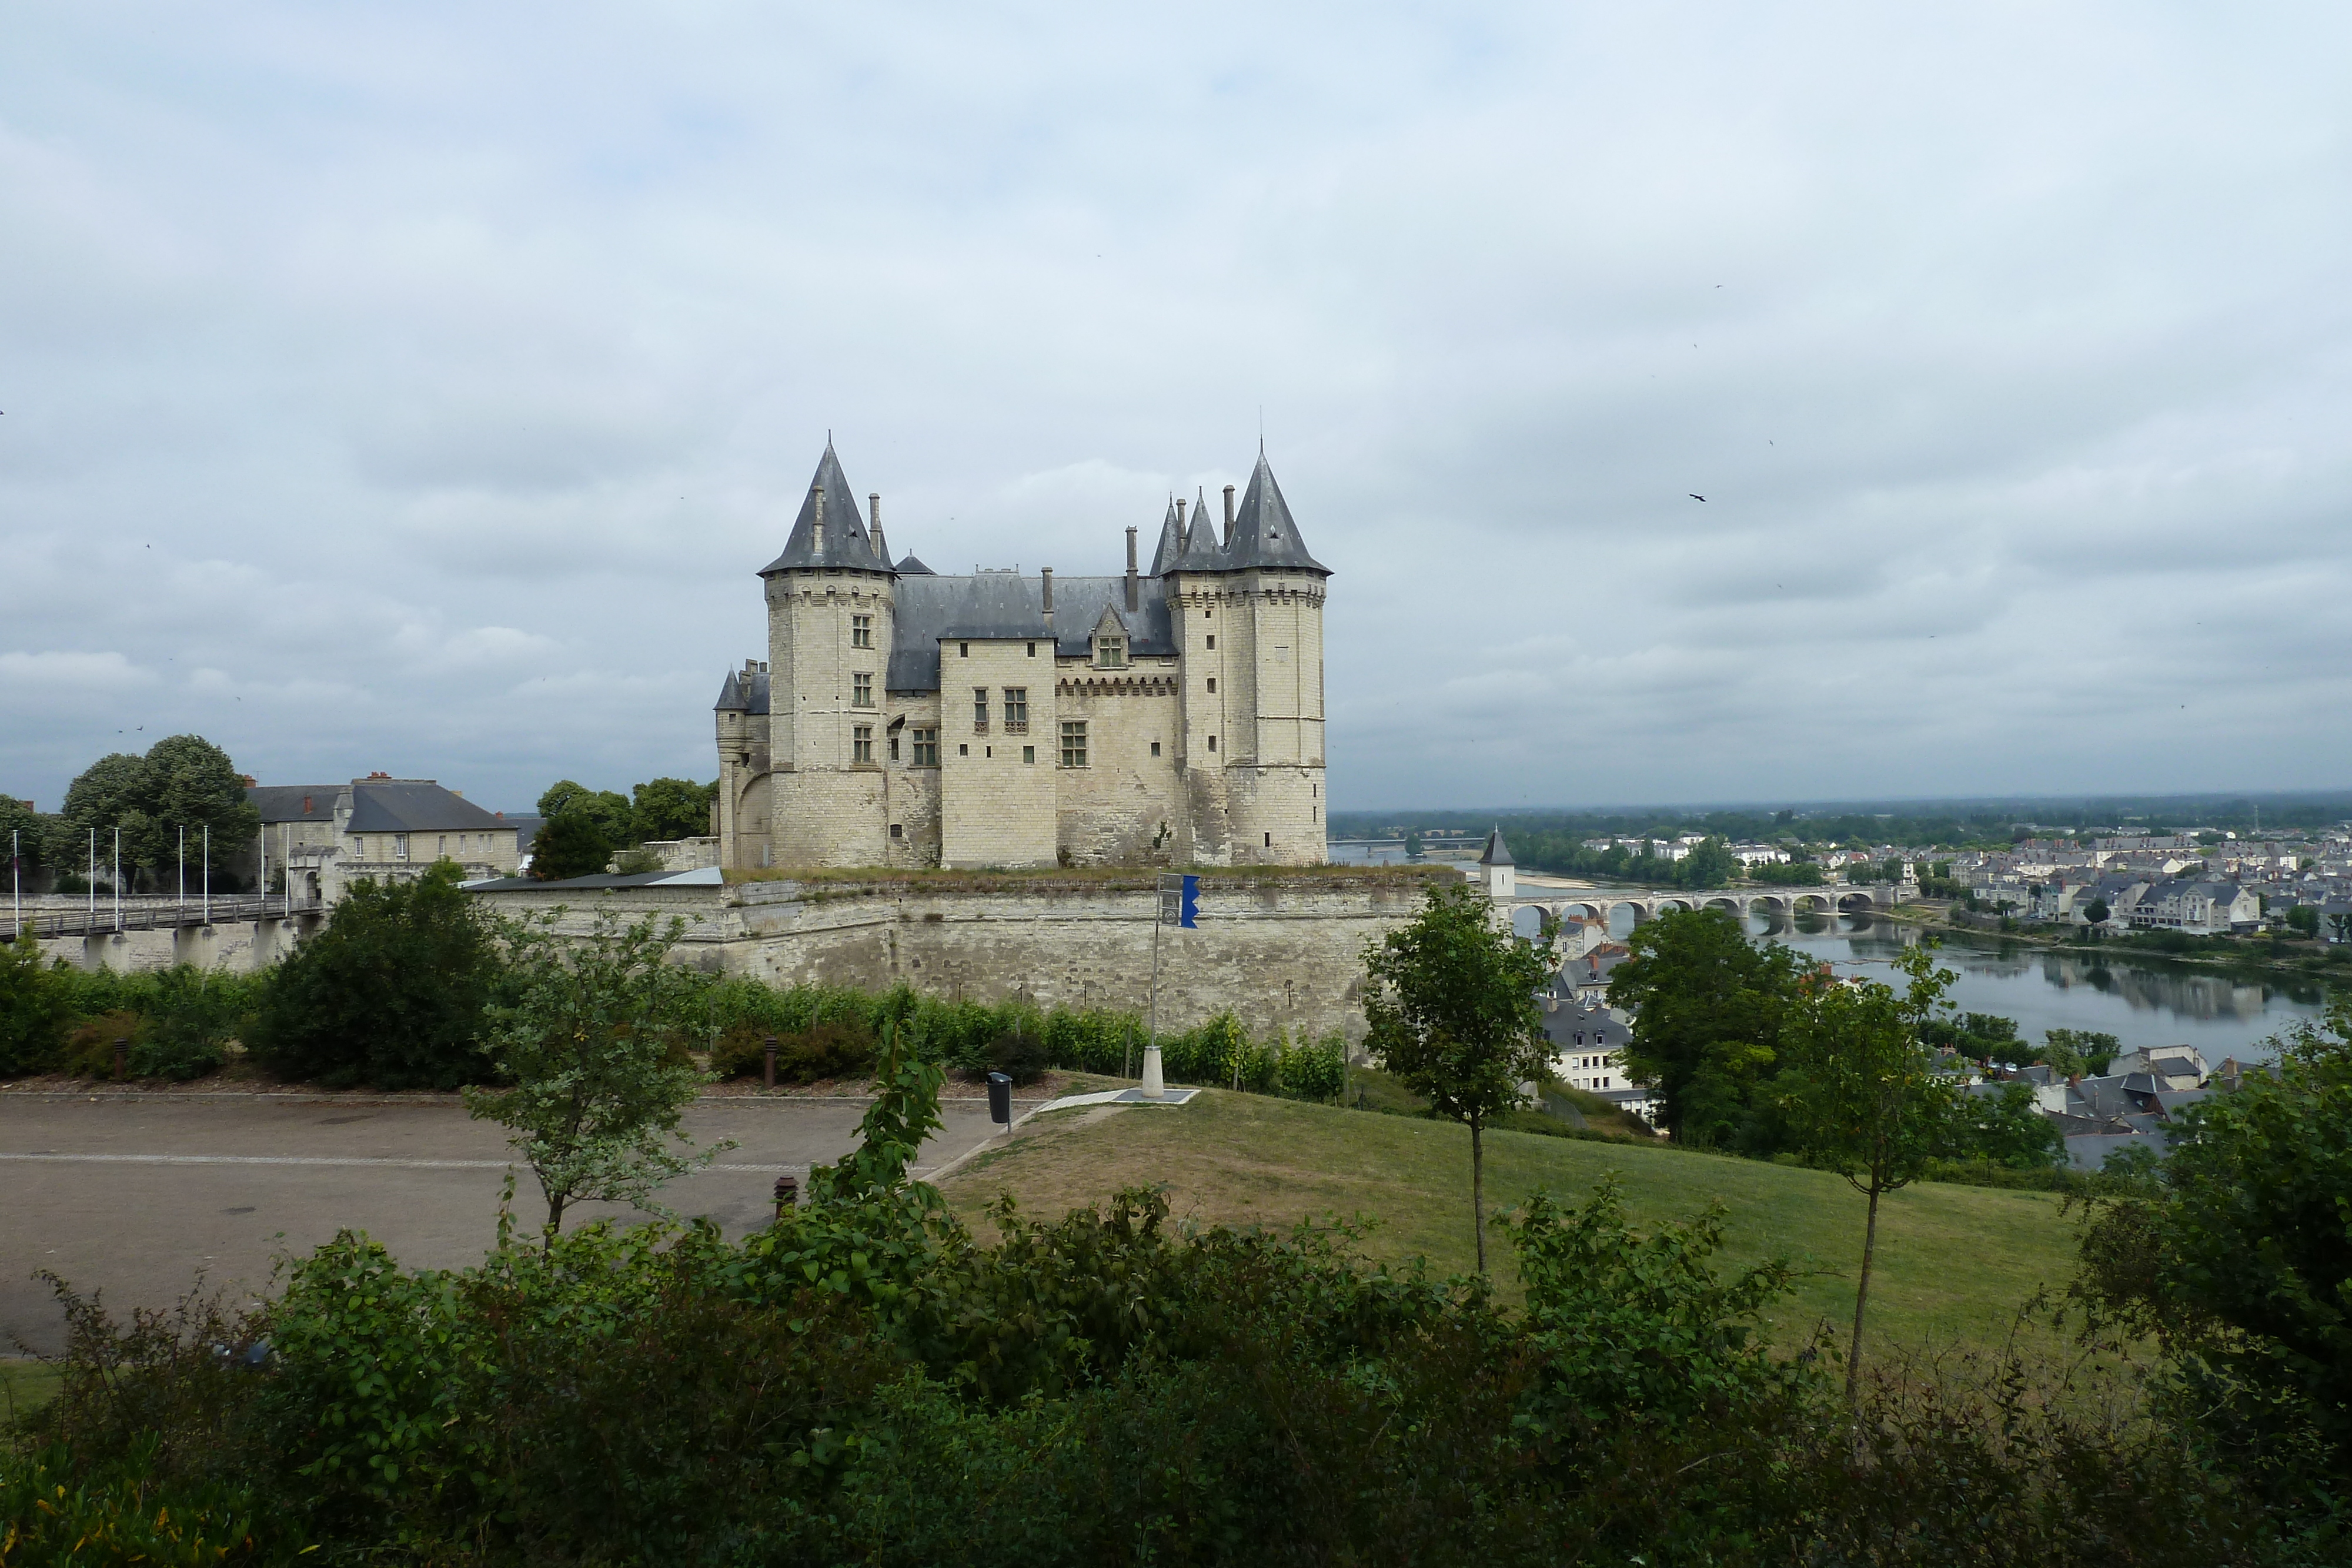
point(25, 1385)
point(1954, 1262)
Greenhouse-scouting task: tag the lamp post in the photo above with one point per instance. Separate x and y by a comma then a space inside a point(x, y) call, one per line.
point(118, 880)
point(89, 919)
point(208, 873)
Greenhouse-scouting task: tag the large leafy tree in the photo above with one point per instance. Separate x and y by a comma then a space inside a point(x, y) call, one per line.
point(597, 1091)
point(392, 993)
point(183, 781)
point(1708, 1008)
point(34, 1008)
point(671, 808)
point(2240, 1262)
point(1863, 1095)
point(1454, 1016)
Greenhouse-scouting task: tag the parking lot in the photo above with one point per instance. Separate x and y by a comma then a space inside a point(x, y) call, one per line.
point(138, 1195)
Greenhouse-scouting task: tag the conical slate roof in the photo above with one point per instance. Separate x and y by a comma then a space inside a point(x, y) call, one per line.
point(1264, 534)
point(845, 541)
point(1202, 552)
point(1496, 855)
point(1172, 543)
point(913, 566)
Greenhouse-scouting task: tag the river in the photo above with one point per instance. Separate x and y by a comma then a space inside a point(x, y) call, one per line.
point(2140, 1002)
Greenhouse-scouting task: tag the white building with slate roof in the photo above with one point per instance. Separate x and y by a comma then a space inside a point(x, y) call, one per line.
point(1169, 716)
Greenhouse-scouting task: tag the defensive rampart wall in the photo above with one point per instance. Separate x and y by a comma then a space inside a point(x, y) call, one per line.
point(1272, 947)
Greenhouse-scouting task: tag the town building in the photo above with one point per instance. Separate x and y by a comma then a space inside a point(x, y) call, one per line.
point(904, 717)
point(317, 839)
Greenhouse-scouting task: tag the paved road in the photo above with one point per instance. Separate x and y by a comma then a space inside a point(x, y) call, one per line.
point(136, 1197)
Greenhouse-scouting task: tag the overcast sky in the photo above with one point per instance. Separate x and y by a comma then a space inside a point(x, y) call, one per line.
point(418, 387)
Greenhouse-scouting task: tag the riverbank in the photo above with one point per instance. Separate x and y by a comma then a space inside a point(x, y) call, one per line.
point(2308, 963)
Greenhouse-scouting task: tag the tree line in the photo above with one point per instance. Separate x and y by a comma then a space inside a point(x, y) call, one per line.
point(586, 829)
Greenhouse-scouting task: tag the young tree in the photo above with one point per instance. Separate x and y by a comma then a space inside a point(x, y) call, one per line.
point(2305, 919)
point(34, 1008)
point(569, 844)
point(1862, 1096)
point(1454, 1016)
point(392, 993)
point(2078, 1052)
point(589, 1043)
point(1707, 1005)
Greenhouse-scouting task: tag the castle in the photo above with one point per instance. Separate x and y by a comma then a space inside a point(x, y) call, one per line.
point(906, 718)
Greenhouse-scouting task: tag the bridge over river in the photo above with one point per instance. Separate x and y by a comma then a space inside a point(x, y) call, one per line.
point(1558, 904)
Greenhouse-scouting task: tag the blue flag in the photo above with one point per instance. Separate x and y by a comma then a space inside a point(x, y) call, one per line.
point(1192, 902)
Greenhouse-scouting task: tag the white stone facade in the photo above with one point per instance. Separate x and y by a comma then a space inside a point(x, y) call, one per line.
point(902, 719)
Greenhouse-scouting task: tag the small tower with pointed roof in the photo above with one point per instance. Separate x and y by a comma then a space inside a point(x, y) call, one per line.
point(832, 623)
point(1497, 871)
point(1251, 609)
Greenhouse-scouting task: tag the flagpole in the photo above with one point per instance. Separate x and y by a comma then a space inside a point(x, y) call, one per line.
point(1155, 1083)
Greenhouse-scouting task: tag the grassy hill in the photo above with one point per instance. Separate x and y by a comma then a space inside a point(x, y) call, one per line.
point(1954, 1262)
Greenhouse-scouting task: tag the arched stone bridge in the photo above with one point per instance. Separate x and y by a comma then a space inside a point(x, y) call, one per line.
point(1557, 905)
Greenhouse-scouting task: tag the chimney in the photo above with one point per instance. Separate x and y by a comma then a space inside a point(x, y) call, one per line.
point(816, 536)
point(1130, 572)
point(1229, 517)
point(1046, 573)
point(1181, 503)
point(874, 526)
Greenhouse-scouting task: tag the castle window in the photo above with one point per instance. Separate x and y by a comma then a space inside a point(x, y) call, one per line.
point(861, 690)
point(1110, 652)
point(1269, 841)
point(861, 743)
point(861, 631)
point(1028, 754)
point(1073, 743)
point(1155, 748)
point(979, 710)
point(1213, 639)
point(1213, 682)
point(897, 830)
point(964, 751)
point(926, 748)
point(894, 749)
point(963, 650)
point(1033, 650)
point(1016, 710)
point(1213, 743)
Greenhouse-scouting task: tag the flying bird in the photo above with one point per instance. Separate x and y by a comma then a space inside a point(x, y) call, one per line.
point(1695, 495)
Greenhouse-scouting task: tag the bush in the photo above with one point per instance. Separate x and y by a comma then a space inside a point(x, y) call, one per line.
point(392, 992)
point(89, 1048)
point(1023, 1058)
point(843, 1048)
point(34, 1009)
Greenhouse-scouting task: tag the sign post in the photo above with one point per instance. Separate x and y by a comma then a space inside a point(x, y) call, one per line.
point(1180, 902)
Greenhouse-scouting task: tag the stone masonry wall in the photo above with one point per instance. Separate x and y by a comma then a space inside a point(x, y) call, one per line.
point(1274, 950)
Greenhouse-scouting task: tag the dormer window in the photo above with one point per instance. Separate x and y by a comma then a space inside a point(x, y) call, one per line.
point(1110, 652)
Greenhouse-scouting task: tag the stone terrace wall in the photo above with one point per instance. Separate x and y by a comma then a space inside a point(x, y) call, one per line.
point(1273, 949)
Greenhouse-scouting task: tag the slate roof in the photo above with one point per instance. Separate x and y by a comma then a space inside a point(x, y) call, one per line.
point(910, 567)
point(1496, 855)
point(1600, 1031)
point(845, 541)
point(1171, 542)
point(1201, 553)
point(296, 802)
point(378, 806)
point(1008, 605)
point(1264, 534)
point(414, 805)
point(742, 693)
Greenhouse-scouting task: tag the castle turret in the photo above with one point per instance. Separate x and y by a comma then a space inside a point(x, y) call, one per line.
point(1251, 617)
point(831, 626)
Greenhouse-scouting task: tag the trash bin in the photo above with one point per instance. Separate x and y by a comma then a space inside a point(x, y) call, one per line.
point(1000, 1100)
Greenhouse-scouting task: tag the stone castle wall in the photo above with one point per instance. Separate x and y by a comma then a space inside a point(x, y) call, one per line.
point(1275, 950)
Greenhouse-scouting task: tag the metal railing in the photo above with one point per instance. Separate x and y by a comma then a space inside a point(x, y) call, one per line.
point(156, 914)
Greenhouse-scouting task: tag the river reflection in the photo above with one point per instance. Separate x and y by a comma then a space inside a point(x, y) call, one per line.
point(2138, 1002)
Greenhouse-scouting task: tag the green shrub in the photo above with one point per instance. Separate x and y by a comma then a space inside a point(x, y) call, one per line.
point(90, 1049)
point(1023, 1058)
point(392, 992)
point(35, 1009)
